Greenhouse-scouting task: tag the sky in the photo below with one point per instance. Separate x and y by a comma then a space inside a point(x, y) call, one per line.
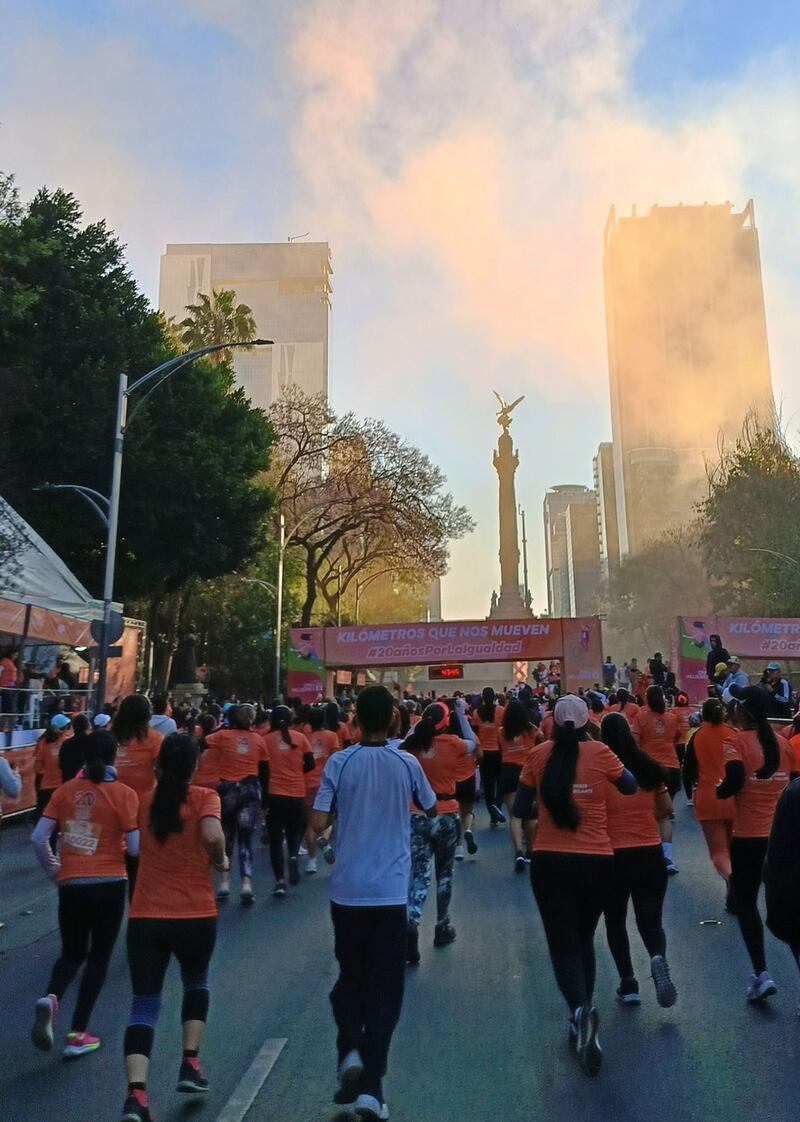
point(461, 159)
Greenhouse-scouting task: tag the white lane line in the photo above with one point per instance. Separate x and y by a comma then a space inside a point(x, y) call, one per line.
point(252, 1081)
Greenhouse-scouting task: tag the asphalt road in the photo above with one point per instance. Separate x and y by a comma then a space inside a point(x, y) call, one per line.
point(483, 1030)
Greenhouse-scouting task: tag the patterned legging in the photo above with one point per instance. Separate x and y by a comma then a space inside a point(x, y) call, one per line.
point(432, 846)
point(240, 805)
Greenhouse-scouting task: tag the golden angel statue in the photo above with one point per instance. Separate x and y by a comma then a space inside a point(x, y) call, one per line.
point(504, 415)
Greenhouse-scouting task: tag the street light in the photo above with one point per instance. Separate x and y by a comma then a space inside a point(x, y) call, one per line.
point(156, 378)
point(773, 553)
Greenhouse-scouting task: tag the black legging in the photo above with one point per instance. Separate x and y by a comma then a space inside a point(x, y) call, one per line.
point(286, 815)
point(747, 864)
point(89, 917)
point(491, 765)
point(641, 875)
point(572, 890)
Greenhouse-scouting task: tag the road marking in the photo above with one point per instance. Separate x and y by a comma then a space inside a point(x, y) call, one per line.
point(244, 1095)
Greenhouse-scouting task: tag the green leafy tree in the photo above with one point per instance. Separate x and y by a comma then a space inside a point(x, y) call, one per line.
point(217, 319)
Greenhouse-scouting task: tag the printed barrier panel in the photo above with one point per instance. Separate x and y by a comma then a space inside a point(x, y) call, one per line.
point(22, 759)
point(757, 637)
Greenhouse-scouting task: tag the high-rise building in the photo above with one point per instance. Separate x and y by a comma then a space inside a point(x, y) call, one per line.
point(572, 555)
point(287, 286)
point(607, 526)
point(687, 353)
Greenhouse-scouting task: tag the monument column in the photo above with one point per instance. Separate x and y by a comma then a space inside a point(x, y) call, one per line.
point(510, 604)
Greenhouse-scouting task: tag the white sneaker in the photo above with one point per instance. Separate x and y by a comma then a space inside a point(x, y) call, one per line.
point(349, 1076)
point(459, 853)
point(370, 1110)
point(761, 986)
point(311, 865)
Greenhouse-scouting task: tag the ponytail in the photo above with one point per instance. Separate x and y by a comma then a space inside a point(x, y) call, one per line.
point(769, 746)
point(280, 721)
point(426, 728)
point(655, 699)
point(615, 732)
point(516, 720)
point(487, 705)
point(559, 776)
point(177, 760)
point(99, 750)
point(622, 699)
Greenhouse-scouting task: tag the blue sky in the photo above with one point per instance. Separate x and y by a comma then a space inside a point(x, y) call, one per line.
point(461, 160)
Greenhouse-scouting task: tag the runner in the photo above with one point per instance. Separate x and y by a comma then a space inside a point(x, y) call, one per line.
point(70, 754)
point(290, 758)
point(97, 817)
point(766, 763)
point(707, 753)
point(173, 913)
point(625, 705)
point(46, 767)
point(518, 736)
point(235, 762)
point(572, 871)
point(486, 720)
point(466, 779)
point(656, 732)
point(433, 847)
point(138, 744)
point(324, 742)
point(371, 785)
point(639, 871)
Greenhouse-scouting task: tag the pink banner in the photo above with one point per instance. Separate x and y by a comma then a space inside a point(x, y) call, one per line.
point(583, 653)
point(415, 644)
point(754, 637)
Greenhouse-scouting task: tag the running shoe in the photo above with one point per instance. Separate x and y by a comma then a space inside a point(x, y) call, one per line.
point(369, 1109)
point(672, 868)
point(666, 994)
point(136, 1108)
point(191, 1079)
point(311, 866)
point(444, 934)
point(588, 1050)
point(224, 892)
point(294, 871)
point(329, 853)
point(472, 845)
point(44, 1021)
point(501, 817)
point(280, 888)
point(519, 862)
point(246, 896)
point(80, 1044)
point(573, 1033)
point(761, 987)
point(412, 945)
point(628, 992)
point(348, 1078)
point(459, 853)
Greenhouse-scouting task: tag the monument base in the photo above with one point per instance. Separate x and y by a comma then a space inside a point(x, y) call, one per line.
point(195, 691)
point(510, 606)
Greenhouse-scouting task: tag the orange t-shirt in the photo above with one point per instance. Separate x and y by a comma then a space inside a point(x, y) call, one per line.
point(794, 743)
point(597, 767)
point(657, 734)
point(323, 744)
point(548, 722)
point(232, 755)
point(683, 714)
point(488, 732)
point(440, 764)
point(136, 759)
point(756, 802)
point(93, 819)
point(286, 764)
point(632, 821)
point(46, 762)
point(629, 710)
point(516, 751)
point(174, 880)
point(713, 746)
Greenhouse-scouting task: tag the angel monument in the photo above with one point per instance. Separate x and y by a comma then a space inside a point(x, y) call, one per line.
point(510, 603)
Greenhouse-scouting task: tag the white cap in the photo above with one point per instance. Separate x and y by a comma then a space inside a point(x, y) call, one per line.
point(571, 709)
point(101, 720)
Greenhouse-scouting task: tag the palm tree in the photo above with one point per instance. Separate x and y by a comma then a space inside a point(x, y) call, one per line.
point(217, 319)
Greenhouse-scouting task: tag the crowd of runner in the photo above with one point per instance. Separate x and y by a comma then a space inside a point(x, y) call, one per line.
point(156, 810)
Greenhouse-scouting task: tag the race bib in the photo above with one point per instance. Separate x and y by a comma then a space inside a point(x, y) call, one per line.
point(81, 837)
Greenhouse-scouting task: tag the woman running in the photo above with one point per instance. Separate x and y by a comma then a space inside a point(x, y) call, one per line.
point(639, 871)
point(235, 762)
point(46, 766)
point(625, 705)
point(70, 754)
point(439, 753)
point(466, 780)
point(657, 731)
point(290, 758)
point(707, 752)
point(138, 744)
point(173, 913)
point(324, 742)
point(572, 870)
point(518, 736)
point(486, 721)
point(765, 764)
point(97, 818)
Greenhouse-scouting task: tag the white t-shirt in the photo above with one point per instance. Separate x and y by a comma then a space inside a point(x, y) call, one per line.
point(370, 789)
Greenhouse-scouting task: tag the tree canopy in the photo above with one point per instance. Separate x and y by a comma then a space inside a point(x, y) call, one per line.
point(217, 319)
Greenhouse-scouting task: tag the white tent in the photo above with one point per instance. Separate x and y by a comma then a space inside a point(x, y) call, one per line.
point(31, 573)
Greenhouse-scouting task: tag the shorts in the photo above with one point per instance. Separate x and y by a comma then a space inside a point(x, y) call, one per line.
point(466, 790)
point(674, 781)
point(509, 778)
point(311, 794)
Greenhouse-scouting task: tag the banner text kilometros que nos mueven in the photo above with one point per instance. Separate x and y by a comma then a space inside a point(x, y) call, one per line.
point(467, 641)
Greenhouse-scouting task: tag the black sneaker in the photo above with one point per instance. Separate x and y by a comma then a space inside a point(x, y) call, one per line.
point(628, 992)
point(496, 815)
point(519, 862)
point(588, 1050)
point(472, 845)
point(444, 935)
point(134, 1110)
point(294, 871)
point(666, 994)
point(191, 1080)
point(412, 945)
point(501, 816)
point(280, 888)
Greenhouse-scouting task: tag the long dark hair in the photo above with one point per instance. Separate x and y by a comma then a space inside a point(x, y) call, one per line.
point(516, 720)
point(280, 721)
point(713, 711)
point(487, 705)
point(132, 718)
point(99, 749)
point(656, 700)
point(421, 737)
point(616, 733)
point(559, 776)
point(177, 760)
point(332, 721)
point(756, 705)
point(623, 698)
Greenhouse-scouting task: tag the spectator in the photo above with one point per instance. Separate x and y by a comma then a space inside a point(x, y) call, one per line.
point(716, 655)
point(634, 674)
point(609, 672)
point(779, 690)
point(658, 670)
point(159, 720)
point(624, 676)
point(735, 677)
